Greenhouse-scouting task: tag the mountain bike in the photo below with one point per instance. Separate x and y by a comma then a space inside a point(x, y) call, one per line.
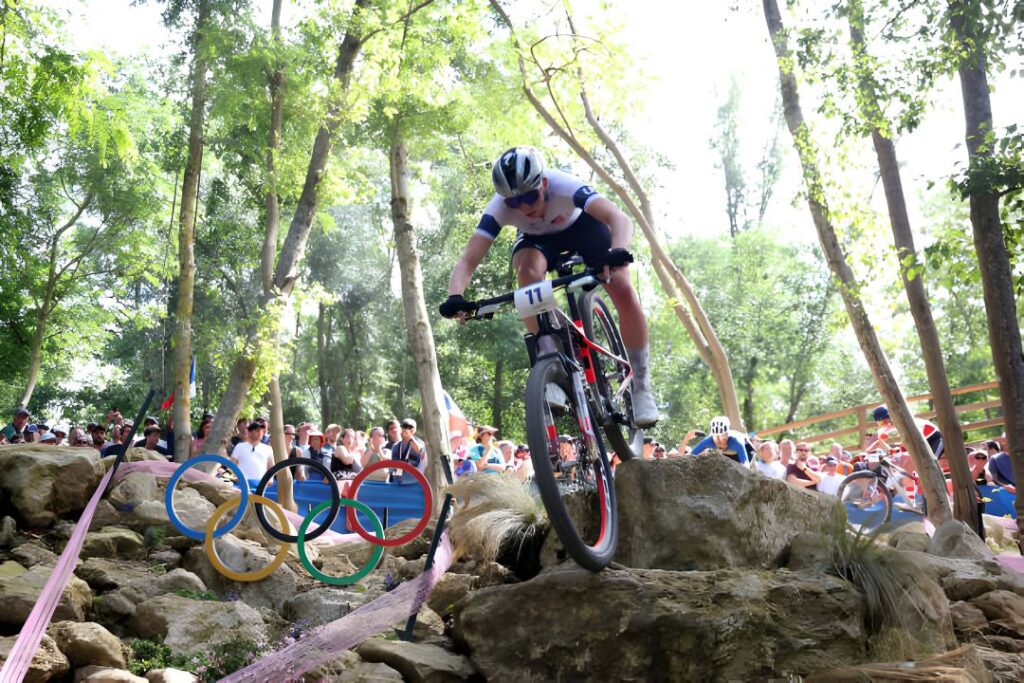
point(580, 380)
point(868, 494)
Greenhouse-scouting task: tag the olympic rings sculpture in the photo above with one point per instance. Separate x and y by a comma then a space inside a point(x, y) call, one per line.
point(212, 531)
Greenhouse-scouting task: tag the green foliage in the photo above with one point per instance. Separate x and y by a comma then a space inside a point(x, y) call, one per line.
point(147, 655)
point(209, 665)
point(197, 595)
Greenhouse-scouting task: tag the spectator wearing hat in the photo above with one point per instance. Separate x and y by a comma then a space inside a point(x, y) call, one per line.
point(830, 476)
point(977, 460)
point(241, 426)
point(485, 454)
point(315, 449)
point(31, 433)
point(768, 461)
point(409, 448)
point(59, 433)
point(16, 428)
point(1000, 468)
point(798, 473)
point(48, 438)
point(252, 456)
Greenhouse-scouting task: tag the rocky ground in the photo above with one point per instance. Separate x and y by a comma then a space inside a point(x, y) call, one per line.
point(721, 575)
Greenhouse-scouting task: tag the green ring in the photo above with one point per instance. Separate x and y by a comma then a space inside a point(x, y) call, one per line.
point(371, 563)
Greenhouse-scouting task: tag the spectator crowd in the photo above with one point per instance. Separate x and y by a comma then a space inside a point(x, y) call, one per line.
point(344, 452)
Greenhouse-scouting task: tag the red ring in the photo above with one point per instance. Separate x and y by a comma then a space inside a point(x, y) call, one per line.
point(428, 502)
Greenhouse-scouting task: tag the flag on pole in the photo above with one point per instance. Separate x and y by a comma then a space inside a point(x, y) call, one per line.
point(169, 401)
point(456, 420)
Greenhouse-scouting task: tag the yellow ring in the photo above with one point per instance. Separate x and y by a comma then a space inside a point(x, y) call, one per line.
point(211, 550)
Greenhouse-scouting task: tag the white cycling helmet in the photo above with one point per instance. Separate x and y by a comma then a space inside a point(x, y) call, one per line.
point(518, 171)
point(719, 425)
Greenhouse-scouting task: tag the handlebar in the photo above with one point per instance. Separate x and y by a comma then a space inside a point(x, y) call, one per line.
point(486, 308)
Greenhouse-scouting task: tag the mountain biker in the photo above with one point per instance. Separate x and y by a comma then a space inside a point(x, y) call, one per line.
point(555, 213)
point(721, 436)
point(928, 430)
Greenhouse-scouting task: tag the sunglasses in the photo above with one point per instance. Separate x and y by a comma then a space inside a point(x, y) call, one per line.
point(529, 199)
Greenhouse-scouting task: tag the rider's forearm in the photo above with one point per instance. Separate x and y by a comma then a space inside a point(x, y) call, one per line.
point(461, 275)
point(622, 231)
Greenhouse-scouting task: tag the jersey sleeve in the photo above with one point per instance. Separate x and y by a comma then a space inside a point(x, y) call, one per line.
point(582, 196)
point(488, 227)
point(702, 445)
point(741, 452)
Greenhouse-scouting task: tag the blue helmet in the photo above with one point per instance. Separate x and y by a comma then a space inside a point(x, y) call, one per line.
point(880, 413)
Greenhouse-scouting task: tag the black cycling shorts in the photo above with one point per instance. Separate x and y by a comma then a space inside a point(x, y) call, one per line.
point(588, 237)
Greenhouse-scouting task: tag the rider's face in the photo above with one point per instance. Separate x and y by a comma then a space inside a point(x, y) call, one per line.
point(536, 210)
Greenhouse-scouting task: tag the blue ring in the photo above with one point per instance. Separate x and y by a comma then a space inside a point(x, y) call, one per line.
point(243, 486)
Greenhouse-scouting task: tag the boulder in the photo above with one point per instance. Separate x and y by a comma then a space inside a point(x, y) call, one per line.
point(170, 559)
point(136, 488)
point(1004, 666)
point(187, 626)
point(910, 540)
point(87, 643)
point(216, 492)
point(11, 568)
point(323, 605)
point(192, 509)
point(106, 515)
point(103, 574)
point(121, 604)
point(349, 667)
point(113, 542)
point(47, 482)
point(967, 617)
point(32, 553)
point(417, 662)
point(450, 590)
point(8, 527)
point(569, 624)
point(956, 539)
point(743, 520)
point(1004, 611)
point(244, 556)
point(48, 662)
point(18, 595)
point(170, 676)
point(106, 674)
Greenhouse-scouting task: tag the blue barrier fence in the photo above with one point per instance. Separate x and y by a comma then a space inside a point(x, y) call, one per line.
point(999, 502)
point(400, 500)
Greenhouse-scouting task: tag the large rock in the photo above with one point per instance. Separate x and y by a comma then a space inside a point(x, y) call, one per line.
point(121, 603)
point(417, 662)
point(48, 662)
point(570, 624)
point(244, 556)
point(348, 667)
point(136, 488)
point(106, 674)
point(18, 594)
point(187, 626)
point(170, 676)
point(8, 527)
point(104, 574)
point(707, 513)
point(1004, 610)
point(112, 542)
point(191, 508)
point(323, 605)
point(956, 539)
point(87, 643)
point(33, 553)
point(47, 482)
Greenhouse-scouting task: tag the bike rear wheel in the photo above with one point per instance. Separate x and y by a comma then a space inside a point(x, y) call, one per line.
point(867, 500)
point(575, 483)
point(617, 400)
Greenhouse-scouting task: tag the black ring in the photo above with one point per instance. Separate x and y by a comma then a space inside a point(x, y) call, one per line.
point(335, 498)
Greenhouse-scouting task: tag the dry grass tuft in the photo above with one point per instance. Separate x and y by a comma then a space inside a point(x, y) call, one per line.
point(497, 514)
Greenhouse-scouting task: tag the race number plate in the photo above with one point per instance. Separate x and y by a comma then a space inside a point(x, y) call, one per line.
point(535, 298)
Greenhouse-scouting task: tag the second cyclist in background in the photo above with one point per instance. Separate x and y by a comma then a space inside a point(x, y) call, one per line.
point(556, 213)
point(732, 444)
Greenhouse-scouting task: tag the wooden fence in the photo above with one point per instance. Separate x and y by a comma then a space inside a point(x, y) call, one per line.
point(978, 407)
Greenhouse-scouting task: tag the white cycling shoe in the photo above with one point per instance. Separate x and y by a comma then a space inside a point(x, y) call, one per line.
point(645, 410)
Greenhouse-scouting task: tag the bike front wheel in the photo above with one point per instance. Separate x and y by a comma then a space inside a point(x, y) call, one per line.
point(614, 390)
point(867, 500)
point(572, 474)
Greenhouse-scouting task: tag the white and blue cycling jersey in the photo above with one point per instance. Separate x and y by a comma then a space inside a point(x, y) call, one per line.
point(567, 197)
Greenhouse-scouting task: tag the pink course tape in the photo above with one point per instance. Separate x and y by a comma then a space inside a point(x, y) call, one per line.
point(325, 643)
point(20, 659)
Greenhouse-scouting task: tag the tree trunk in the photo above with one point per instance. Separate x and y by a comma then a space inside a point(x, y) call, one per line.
point(498, 394)
point(965, 506)
point(417, 323)
point(182, 362)
point(989, 242)
point(294, 247)
point(677, 288)
point(322, 323)
point(932, 481)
